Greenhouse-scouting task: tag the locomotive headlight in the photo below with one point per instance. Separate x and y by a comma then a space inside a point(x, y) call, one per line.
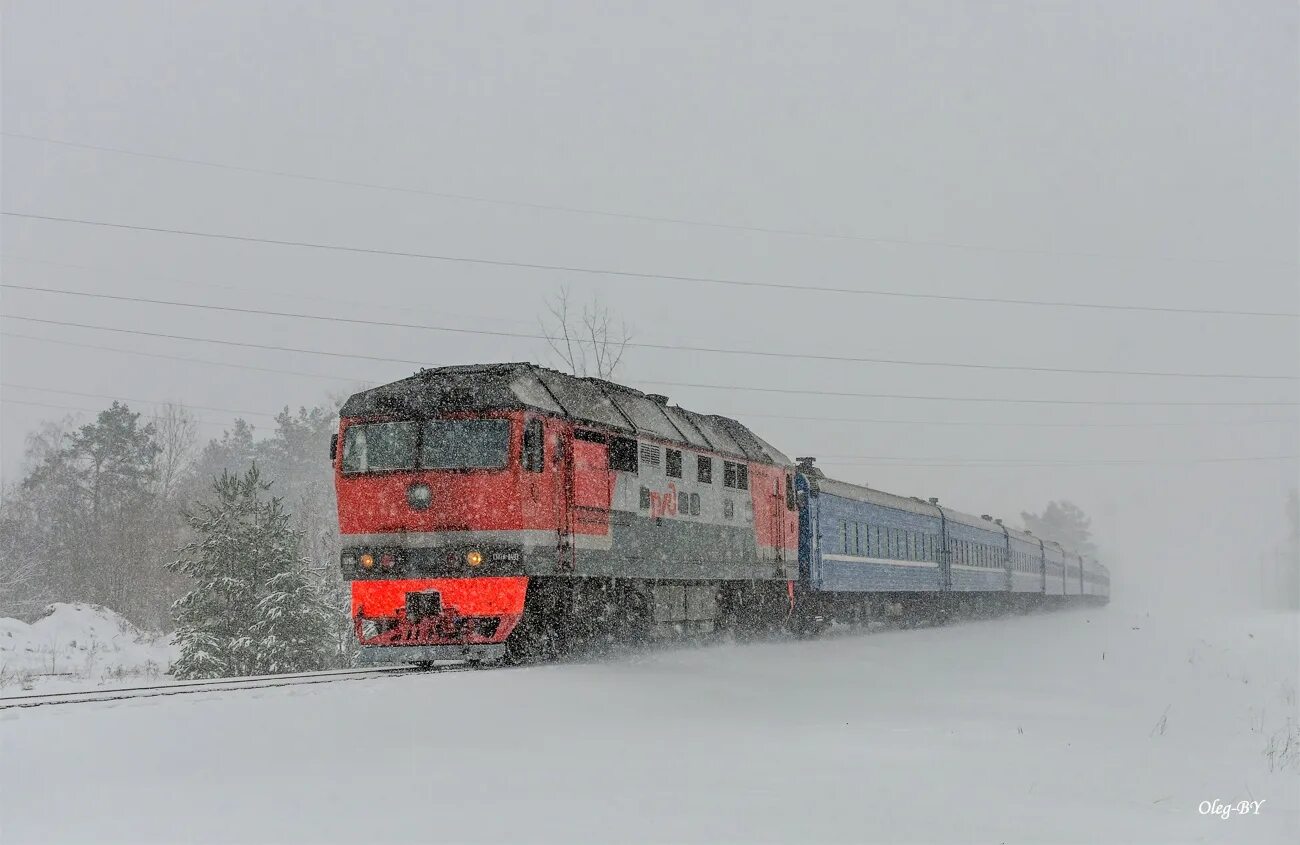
point(418, 496)
point(367, 561)
point(474, 558)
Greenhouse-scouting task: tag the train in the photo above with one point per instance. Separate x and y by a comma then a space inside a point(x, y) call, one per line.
point(510, 512)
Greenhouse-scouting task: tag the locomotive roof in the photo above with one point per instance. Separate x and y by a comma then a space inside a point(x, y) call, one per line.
point(484, 387)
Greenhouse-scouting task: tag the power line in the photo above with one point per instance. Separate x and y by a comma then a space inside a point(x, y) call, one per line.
point(844, 460)
point(641, 345)
point(197, 420)
point(631, 274)
point(135, 399)
point(1075, 465)
point(737, 414)
point(382, 359)
point(885, 460)
point(185, 358)
point(905, 396)
point(296, 296)
point(647, 218)
point(997, 424)
point(218, 342)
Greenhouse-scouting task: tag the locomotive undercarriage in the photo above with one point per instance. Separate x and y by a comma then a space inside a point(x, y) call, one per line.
point(565, 616)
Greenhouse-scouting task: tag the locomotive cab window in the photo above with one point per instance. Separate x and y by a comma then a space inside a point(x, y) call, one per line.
point(466, 444)
point(376, 447)
point(437, 444)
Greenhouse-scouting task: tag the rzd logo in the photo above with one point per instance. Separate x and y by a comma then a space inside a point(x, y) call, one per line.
point(664, 504)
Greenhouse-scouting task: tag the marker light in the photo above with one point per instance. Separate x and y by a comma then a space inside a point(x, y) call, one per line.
point(474, 558)
point(419, 496)
point(387, 560)
point(367, 561)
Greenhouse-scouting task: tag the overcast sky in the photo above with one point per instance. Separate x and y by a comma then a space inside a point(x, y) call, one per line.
point(1115, 153)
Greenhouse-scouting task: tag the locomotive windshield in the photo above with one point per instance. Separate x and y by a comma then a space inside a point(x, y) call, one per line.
point(435, 444)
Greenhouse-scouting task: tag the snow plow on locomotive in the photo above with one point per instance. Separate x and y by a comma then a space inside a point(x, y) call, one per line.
point(510, 511)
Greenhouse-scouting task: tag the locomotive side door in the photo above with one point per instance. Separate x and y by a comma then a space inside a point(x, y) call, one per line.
point(588, 488)
point(778, 518)
point(562, 472)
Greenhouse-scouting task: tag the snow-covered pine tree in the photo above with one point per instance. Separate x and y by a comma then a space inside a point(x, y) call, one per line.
point(293, 631)
point(253, 610)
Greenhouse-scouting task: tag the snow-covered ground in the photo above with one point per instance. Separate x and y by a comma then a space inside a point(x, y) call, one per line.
point(78, 646)
point(1087, 726)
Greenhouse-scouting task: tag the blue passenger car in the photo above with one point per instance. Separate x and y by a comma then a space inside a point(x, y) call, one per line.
point(856, 539)
point(859, 544)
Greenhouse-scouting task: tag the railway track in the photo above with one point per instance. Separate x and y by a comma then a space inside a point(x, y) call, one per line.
point(218, 685)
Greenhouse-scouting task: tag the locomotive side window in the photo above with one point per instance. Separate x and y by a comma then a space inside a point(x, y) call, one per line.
point(790, 503)
point(466, 444)
point(379, 446)
point(622, 454)
point(735, 475)
point(534, 447)
point(704, 469)
point(672, 463)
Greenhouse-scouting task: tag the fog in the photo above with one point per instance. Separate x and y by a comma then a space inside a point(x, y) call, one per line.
point(1108, 154)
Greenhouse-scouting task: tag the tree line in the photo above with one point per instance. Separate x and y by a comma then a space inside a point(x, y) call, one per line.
point(233, 543)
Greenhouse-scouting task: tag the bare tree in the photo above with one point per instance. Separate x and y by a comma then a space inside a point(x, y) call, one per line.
point(177, 438)
point(590, 341)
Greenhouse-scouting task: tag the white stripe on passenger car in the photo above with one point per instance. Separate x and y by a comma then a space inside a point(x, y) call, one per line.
point(924, 564)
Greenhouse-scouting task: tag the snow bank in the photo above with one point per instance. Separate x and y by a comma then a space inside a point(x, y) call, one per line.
point(78, 642)
point(1085, 726)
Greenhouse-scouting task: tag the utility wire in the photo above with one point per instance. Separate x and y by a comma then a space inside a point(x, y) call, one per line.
point(235, 411)
point(715, 350)
point(999, 424)
point(185, 358)
point(407, 304)
point(1060, 466)
point(846, 460)
point(631, 274)
point(886, 460)
point(647, 218)
point(805, 392)
point(387, 360)
point(197, 420)
point(736, 414)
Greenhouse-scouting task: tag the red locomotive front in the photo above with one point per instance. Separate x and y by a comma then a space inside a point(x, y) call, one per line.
point(466, 494)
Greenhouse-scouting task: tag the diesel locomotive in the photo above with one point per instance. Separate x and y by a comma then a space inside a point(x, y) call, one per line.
point(507, 511)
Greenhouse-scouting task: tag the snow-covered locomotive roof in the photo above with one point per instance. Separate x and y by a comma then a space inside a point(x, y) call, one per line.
point(483, 387)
